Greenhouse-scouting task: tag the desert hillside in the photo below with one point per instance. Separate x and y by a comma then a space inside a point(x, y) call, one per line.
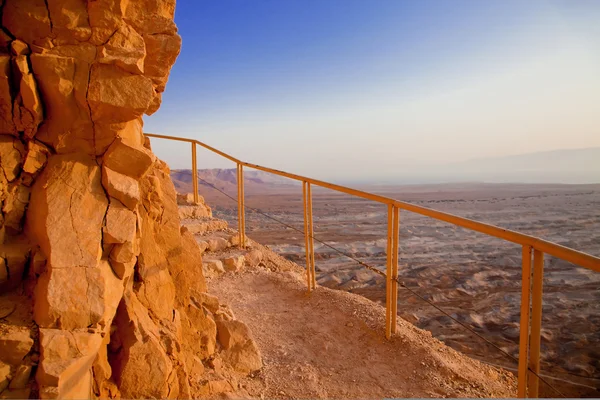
point(326, 344)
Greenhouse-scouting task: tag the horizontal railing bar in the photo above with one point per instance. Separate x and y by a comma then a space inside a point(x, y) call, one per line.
point(573, 256)
point(343, 189)
point(227, 156)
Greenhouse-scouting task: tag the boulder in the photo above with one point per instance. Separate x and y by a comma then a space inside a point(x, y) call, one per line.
point(125, 49)
point(69, 21)
point(161, 52)
point(62, 76)
point(66, 360)
point(188, 199)
point(204, 299)
point(71, 298)
point(105, 16)
point(66, 211)
point(217, 244)
point(199, 331)
point(26, 19)
point(116, 95)
point(233, 263)
point(156, 292)
point(15, 343)
point(37, 156)
point(195, 211)
point(121, 187)
point(123, 258)
point(27, 108)
point(232, 333)
point(141, 367)
point(133, 161)
point(253, 258)
point(11, 156)
point(151, 16)
point(212, 267)
point(120, 224)
point(15, 203)
point(244, 358)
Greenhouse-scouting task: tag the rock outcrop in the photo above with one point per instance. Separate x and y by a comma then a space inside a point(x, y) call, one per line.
point(99, 284)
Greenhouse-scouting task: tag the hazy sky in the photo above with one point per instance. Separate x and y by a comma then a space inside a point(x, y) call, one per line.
point(341, 89)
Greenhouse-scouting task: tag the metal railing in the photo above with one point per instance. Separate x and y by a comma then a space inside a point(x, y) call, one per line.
point(532, 272)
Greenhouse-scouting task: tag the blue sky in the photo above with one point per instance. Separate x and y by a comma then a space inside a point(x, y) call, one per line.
point(344, 88)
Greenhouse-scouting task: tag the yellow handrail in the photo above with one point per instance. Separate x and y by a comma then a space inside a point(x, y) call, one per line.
point(571, 255)
point(529, 346)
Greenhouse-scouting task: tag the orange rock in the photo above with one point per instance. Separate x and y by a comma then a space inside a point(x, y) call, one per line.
point(70, 24)
point(71, 298)
point(66, 360)
point(116, 95)
point(151, 16)
point(66, 211)
point(233, 263)
point(104, 16)
point(125, 49)
point(121, 187)
point(63, 84)
point(161, 53)
point(199, 332)
point(7, 125)
point(11, 156)
point(26, 19)
point(15, 343)
point(141, 367)
point(127, 159)
point(231, 333)
point(15, 202)
point(37, 155)
point(244, 358)
point(120, 224)
point(27, 109)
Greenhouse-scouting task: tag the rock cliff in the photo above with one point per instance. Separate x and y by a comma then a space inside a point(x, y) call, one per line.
point(99, 286)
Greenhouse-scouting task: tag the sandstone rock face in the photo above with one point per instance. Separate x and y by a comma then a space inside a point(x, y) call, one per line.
point(89, 220)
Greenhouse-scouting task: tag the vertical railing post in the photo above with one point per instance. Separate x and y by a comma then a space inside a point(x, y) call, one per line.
point(194, 173)
point(536, 322)
point(243, 208)
point(306, 239)
point(395, 249)
point(241, 216)
point(388, 274)
point(311, 241)
point(524, 324)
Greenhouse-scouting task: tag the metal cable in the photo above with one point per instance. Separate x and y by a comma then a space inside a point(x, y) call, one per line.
point(402, 285)
point(468, 328)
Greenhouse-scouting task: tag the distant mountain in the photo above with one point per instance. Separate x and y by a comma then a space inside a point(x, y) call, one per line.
point(558, 166)
point(226, 180)
point(577, 166)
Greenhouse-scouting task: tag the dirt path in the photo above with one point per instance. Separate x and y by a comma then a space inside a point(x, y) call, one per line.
point(331, 344)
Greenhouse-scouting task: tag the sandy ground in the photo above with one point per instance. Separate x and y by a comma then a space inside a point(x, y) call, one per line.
point(331, 344)
point(472, 276)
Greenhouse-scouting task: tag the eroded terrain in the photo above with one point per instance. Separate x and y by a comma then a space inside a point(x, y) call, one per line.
point(474, 277)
